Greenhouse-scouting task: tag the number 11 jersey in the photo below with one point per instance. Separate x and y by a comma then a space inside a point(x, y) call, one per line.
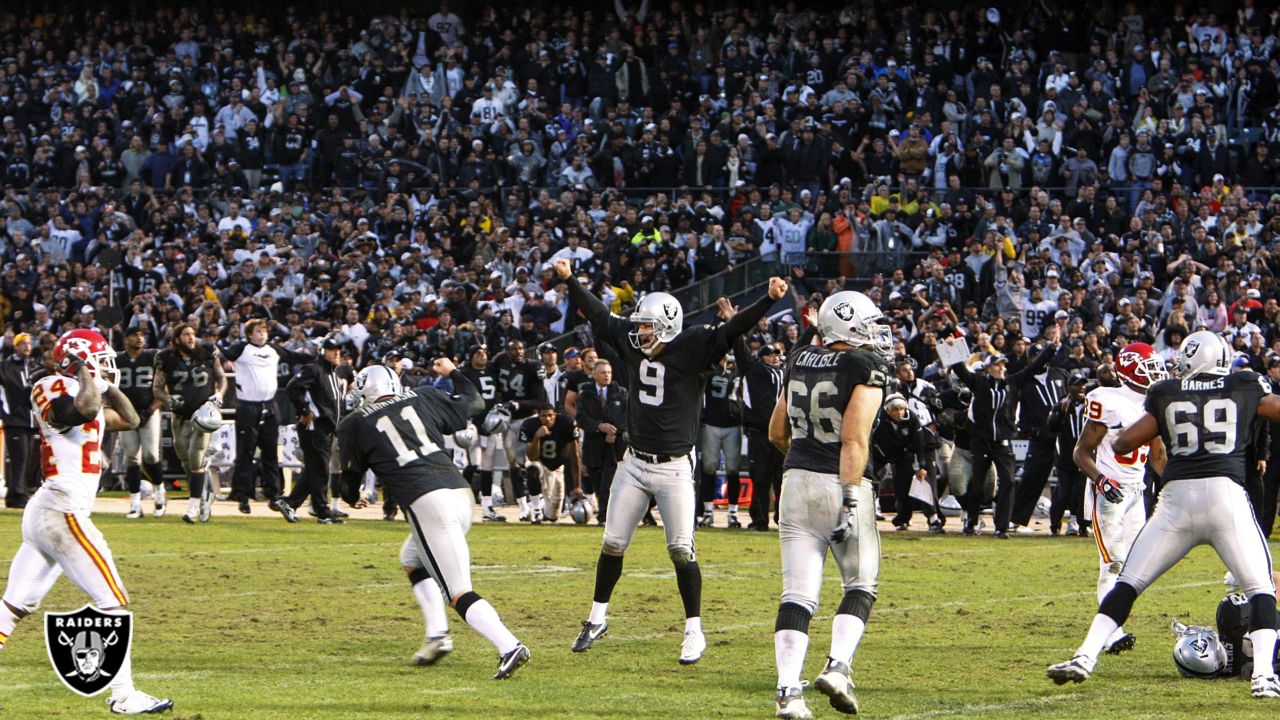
point(1205, 423)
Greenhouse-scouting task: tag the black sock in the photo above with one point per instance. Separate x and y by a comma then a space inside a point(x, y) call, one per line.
point(732, 488)
point(153, 473)
point(133, 478)
point(689, 580)
point(707, 492)
point(486, 483)
point(608, 570)
point(196, 484)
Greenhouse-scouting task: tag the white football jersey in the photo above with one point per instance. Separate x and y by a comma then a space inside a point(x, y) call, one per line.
point(71, 457)
point(1117, 408)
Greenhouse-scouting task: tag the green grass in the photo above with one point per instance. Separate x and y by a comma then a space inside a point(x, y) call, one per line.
point(250, 618)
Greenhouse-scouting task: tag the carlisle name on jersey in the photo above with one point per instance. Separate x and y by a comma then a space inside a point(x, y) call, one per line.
point(552, 445)
point(817, 388)
point(1205, 423)
point(70, 455)
point(1117, 408)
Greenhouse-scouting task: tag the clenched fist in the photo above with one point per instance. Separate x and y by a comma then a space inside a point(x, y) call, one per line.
point(563, 269)
point(443, 366)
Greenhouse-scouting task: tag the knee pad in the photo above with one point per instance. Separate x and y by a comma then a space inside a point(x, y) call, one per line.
point(613, 546)
point(417, 575)
point(856, 603)
point(681, 555)
point(1117, 604)
point(464, 603)
point(793, 616)
point(1262, 612)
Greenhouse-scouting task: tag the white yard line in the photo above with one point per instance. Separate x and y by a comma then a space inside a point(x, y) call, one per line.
point(987, 708)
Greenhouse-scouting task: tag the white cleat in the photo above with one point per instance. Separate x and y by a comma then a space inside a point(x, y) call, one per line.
point(139, 703)
point(692, 648)
point(835, 683)
point(206, 509)
point(790, 704)
point(161, 506)
point(135, 511)
point(1265, 686)
point(1077, 669)
point(433, 649)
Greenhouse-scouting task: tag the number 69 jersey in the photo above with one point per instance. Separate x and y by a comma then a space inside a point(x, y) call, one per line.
point(1205, 423)
point(1117, 408)
point(70, 455)
point(401, 441)
point(817, 388)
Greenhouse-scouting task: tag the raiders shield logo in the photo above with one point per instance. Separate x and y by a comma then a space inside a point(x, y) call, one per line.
point(844, 311)
point(88, 646)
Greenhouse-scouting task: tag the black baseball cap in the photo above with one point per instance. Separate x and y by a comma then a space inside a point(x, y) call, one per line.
point(331, 343)
point(767, 350)
point(545, 348)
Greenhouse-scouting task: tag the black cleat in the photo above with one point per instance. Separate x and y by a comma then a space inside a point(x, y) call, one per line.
point(244, 507)
point(327, 520)
point(1125, 643)
point(590, 633)
point(649, 519)
point(285, 509)
point(512, 661)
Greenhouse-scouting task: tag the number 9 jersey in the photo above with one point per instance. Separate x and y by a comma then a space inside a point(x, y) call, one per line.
point(1117, 408)
point(817, 388)
point(70, 455)
point(1205, 423)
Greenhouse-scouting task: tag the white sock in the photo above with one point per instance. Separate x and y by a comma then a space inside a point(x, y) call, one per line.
point(708, 508)
point(122, 683)
point(484, 619)
point(733, 509)
point(693, 624)
point(1119, 633)
point(1099, 631)
point(431, 601)
point(135, 498)
point(8, 621)
point(846, 633)
point(486, 503)
point(591, 501)
point(160, 492)
point(598, 612)
point(524, 505)
point(1264, 648)
point(193, 505)
point(535, 503)
point(333, 505)
point(789, 649)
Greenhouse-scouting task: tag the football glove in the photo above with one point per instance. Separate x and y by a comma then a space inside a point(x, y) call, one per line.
point(845, 529)
point(172, 403)
point(1109, 488)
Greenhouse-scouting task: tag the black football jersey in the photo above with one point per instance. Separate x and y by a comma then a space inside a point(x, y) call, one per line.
point(401, 441)
point(190, 378)
point(551, 447)
point(571, 380)
point(521, 384)
point(485, 383)
point(817, 388)
point(1205, 423)
point(1233, 630)
point(136, 375)
point(665, 408)
point(720, 404)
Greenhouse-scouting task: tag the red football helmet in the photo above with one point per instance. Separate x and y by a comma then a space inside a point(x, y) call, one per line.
point(1140, 366)
point(89, 348)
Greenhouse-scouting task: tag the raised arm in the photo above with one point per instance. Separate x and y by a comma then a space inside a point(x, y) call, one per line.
point(1147, 429)
point(591, 306)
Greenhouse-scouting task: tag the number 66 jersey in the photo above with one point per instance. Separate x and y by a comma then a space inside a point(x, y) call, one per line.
point(70, 455)
point(1117, 408)
point(1205, 423)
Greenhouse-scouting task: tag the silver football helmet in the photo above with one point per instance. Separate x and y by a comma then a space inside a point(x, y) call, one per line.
point(1198, 652)
point(496, 420)
point(208, 417)
point(662, 312)
point(579, 511)
point(1203, 352)
point(850, 317)
point(374, 382)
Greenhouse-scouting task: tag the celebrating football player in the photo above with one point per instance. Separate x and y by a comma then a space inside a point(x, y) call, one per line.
point(189, 378)
point(667, 366)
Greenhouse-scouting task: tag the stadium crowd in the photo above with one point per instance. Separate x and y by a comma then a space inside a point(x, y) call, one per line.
point(1038, 176)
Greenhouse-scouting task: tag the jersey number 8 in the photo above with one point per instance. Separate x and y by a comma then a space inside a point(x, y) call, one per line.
point(822, 423)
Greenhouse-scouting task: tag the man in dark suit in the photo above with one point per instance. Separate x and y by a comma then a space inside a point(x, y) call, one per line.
point(317, 392)
point(1067, 422)
point(602, 414)
point(1040, 395)
point(21, 442)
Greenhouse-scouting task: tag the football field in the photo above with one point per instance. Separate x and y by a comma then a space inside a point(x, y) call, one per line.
point(254, 618)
